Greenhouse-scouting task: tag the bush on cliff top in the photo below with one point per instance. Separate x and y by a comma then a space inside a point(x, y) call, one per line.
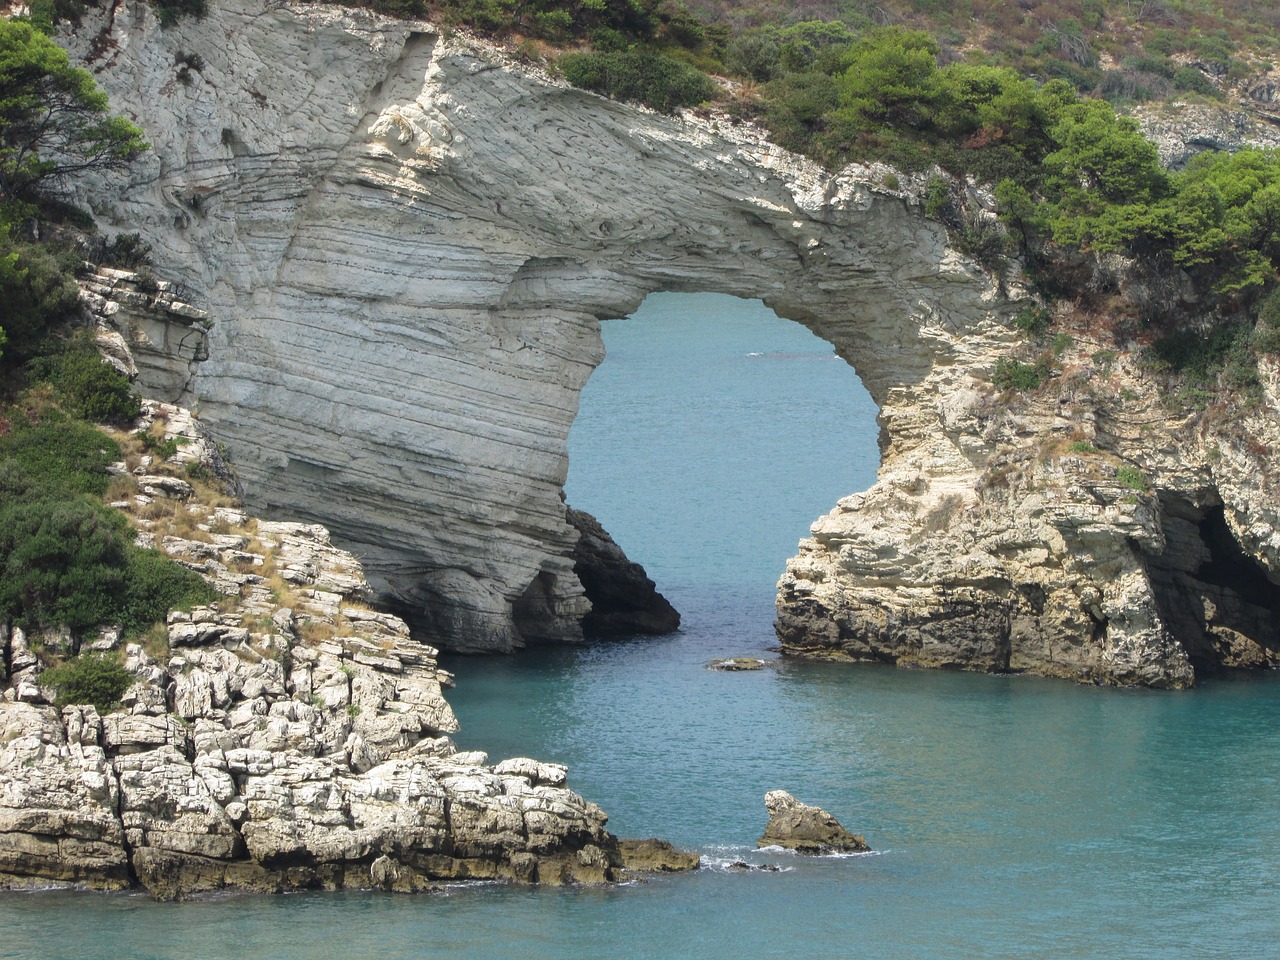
point(652, 79)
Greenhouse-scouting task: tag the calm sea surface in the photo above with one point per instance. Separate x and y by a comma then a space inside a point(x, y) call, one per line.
point(1011, 817)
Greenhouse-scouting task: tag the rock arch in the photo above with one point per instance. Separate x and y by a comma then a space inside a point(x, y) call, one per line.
point(406, 244)
point(405, 260)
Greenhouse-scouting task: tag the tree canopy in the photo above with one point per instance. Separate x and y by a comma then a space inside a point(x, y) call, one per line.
point(53, 120)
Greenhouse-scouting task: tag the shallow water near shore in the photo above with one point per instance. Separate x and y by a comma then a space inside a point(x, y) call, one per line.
point(1011, 817)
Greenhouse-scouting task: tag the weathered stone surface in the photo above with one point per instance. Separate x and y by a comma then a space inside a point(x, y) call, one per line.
point(805, 829)
point(277, 747)
point(624, 600)
point(404, 289)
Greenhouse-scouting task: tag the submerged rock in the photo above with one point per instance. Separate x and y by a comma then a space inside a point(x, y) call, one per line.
point(736, 664)
point(806, 829)
point(655, 856)
point(741, 866)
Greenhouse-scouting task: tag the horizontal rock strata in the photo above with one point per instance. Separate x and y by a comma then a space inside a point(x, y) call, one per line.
point(404, 244)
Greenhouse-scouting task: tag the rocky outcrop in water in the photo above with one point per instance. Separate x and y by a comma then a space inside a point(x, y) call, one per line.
point(404, 242)
point(805, 829)
point(624, 600)
point(404, 258)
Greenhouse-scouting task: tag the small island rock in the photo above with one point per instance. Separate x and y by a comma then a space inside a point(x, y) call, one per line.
point(805, 829)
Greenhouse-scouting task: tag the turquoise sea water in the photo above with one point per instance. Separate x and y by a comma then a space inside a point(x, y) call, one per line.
point(1011, 817)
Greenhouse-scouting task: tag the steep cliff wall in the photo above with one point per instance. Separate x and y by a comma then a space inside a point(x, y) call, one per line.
point(404, 248)
point(404, 245)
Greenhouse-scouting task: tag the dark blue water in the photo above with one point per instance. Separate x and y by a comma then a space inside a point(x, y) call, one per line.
point(1012, 817)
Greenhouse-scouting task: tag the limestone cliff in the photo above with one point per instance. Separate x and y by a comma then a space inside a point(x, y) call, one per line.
point(404, 243)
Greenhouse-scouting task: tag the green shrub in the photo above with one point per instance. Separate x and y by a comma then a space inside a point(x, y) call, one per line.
point(937, 197)
point(1192, 80)
point(60, 457)
point(1132, 479)
point(62, 562)
point(1033, 321)
point(984, 241)
point(1201, 357)
point(652, 79)
point(1012, 374)
point(169, 12)
point(1082, 446)
point(157, 585)
point(37, 291)
point(89, 387)
point(91, 678)
point(127, 250)
point(163, 448)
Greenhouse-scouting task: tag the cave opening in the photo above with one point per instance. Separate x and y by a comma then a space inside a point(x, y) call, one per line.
point(710, 438)
point(1215, 599)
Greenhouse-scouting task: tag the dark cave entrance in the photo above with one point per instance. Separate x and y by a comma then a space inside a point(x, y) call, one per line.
point(1215, 599)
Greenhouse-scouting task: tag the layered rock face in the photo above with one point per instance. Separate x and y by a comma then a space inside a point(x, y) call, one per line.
point(404, 244)
point(288, 737)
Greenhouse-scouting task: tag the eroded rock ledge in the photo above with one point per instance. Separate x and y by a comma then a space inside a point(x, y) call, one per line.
point(404, 243)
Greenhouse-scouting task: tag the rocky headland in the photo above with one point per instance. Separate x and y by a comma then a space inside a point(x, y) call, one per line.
point(404, 242)
point(287, 736)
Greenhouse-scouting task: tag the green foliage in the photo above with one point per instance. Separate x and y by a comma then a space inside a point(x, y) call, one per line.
point(157, 585)
point(1132, 478)
point(1191, 80)
point(61, 562)
point(37, 291)
point(91, 678)
point(889, 74)
point(1082, 446)
point(57, 457)
point(169, 12)
point(1033, 321)
point(65, 557)
point(89, 387)
point(652, 79)
point(163, 448)
point(1266, 334)
point(53, 119)
point(1200, 356)
point(937, 197)
point(1013, 374)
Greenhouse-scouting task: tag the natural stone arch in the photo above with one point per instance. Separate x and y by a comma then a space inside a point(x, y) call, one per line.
point(406, 294)
point(406, 259)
